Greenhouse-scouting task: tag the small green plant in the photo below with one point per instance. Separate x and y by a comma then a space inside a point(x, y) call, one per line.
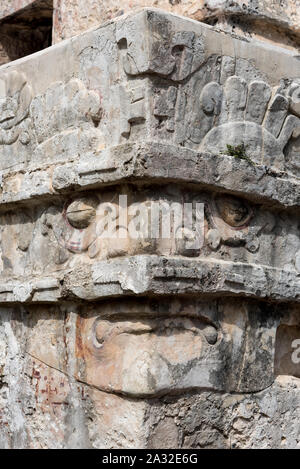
point(238, 151)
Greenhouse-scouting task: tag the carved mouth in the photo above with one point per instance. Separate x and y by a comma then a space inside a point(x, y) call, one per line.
point(104, 329)
point(150, 356)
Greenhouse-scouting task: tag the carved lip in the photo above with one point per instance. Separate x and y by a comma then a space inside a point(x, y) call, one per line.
point(128, 315)
point(161, 325)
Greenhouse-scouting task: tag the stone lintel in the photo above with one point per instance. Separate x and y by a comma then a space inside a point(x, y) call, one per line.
point(141, 163)
point(157, 276)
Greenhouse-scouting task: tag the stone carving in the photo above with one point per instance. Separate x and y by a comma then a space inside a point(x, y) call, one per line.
point(61, 123)
point(65, 105)
point(236, 213)
point(156, 366)
point(230, 219)
point(65, 120)
point(15, 99)
point(249, 116)
point(122, 317)
point(80, 213)
point(235, 113)
point(79, 230)
point(151, 348)
point(44, 289)
point(174, 55)
point(101, 225)
point(15, 125)
point(132, 108)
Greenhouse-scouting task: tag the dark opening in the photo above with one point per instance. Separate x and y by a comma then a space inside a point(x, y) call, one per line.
point(26, 31)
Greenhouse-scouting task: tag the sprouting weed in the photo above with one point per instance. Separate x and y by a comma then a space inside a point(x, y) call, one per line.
point(238, 151)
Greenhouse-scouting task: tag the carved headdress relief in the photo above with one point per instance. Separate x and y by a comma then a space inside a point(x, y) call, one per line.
point(15, 99)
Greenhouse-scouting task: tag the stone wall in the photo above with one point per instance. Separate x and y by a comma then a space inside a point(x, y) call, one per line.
point(276, 22)
point(273, 21)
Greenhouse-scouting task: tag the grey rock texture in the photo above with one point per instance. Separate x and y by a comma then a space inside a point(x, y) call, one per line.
point(274, 21)
point(121, 325)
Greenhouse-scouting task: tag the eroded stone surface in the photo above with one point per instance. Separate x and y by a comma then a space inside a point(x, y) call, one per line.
point(112, 333)
point(58, 368)
point(273, 21)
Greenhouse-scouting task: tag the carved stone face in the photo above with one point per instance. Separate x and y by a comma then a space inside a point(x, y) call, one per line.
point(150, 356)
point(142, 348)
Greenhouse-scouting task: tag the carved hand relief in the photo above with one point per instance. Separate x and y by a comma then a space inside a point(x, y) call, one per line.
point(65, 120)
point(237, 112)
point(60, 124)
point(64, 106)
point(248, 115)
point(15, 99)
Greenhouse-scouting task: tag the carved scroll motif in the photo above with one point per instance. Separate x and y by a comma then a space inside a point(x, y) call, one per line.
point(65, 120)
point(15, 99)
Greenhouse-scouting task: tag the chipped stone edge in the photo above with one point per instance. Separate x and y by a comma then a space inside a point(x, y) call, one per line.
point(157, 275)
point(155, 162)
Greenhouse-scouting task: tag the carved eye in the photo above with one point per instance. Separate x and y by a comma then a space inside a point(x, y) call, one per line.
point(234, 212)
point(80, 213)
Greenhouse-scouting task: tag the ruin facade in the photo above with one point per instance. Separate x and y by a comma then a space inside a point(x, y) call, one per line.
point(115, 333)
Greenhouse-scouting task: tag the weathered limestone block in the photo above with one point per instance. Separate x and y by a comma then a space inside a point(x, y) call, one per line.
point(150, 240)
point(237, 242)
point(124, 93)
point(273, 21)
point(30, 25)
point(68, 365)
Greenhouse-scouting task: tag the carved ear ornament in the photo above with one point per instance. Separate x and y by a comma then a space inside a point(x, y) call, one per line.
point(79, 215)
point(81, 212)
point(229, 219)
